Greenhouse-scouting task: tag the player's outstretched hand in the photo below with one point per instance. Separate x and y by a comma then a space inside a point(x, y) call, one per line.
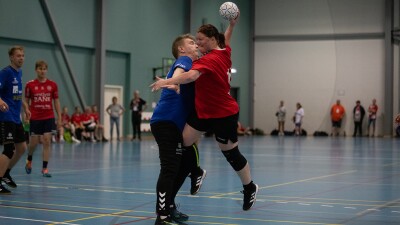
point(158, 84)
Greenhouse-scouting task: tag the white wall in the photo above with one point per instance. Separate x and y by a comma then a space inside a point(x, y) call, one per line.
point(316, 71)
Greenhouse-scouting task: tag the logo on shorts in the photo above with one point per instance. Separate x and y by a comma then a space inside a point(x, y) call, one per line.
point(9, 136)
point(179, 149)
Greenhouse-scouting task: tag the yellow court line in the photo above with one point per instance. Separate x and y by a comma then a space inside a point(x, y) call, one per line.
point(293, 182)
point(98, 216)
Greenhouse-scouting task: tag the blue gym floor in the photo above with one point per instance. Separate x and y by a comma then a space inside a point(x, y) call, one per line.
point(302, 180)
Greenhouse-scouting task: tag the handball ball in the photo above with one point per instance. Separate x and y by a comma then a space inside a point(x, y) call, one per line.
point(229, 10)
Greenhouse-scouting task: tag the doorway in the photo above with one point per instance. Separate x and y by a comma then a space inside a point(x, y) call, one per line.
point(109, 92)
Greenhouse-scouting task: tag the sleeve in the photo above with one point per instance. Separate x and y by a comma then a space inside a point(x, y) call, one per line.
point(2, 79)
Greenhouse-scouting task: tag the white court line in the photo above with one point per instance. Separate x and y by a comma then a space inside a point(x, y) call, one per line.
point(327, 206)
point(303, 204)
point(42, 221)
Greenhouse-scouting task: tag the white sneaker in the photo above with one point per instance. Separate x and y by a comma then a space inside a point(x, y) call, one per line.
point(75, 140)
point(53, 139)
point(62, 140)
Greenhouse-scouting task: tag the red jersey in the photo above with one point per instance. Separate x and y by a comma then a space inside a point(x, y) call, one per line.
point(212, 88)
point(337, 112)
point(65, 119)
point(76, 118)
point(95, 117)
point(87, 118)
point(41, 96)
point(372, 109)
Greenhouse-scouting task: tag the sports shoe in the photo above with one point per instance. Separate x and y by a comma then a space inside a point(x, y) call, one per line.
point(178, 216)
point(75, 140)
point(167, 220)
point(46, 173)
point(197, 181)
point(249, 197)
point(28, 167)
point(9, 181)
point(3, 190)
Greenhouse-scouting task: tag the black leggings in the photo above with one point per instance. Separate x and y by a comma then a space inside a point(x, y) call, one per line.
point(169, 139)
point(136, 120)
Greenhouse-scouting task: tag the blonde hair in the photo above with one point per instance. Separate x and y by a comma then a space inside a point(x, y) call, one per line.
point(178, 42)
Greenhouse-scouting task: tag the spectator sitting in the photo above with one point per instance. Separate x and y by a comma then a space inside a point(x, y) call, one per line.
point(89, 124)
point(67, 126)
point(76, 120)
point(397, 123)
point(99, 131)
point(241, 130)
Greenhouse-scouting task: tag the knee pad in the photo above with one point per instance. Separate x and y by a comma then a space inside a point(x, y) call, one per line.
point(9, 150)
point(235, 158)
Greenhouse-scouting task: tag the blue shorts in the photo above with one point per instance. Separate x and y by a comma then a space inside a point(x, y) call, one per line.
point(40, 127)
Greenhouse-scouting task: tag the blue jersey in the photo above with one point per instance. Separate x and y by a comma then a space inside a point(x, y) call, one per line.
point(175, 107)
point(11, 93)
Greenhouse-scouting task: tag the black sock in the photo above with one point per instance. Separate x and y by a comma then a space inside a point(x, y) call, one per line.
point(248, 186)
point(7, 173)
point(45, 164)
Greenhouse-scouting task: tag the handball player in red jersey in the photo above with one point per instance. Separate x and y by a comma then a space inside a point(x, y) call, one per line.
point(40, 94)
point(216, 109)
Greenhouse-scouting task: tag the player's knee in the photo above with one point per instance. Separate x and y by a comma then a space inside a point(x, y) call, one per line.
point(235, 158)
point(9, 150)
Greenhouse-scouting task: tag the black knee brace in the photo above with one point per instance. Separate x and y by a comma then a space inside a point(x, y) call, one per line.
point(9, 150)
point(235, 158)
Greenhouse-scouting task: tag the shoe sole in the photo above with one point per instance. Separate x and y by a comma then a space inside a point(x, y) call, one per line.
point(255, 199)
point(201, 184)
point(11, 186)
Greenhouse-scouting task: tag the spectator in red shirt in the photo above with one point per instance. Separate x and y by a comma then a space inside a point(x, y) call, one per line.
point(66, 125)
point(41, 94)
point(89, 124)
point(337, 114)
point(372, 110)
point(76, 120)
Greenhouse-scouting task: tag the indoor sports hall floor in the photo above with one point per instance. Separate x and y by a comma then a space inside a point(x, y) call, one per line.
point(303, 180)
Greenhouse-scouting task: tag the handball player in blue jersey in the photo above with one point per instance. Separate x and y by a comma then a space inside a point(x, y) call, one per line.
point(167, 123)
point(12, 135)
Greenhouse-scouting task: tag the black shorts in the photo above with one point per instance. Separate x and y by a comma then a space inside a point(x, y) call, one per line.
point(337, 124)
point(225, 128)
point(11, 133)
point(40, 127)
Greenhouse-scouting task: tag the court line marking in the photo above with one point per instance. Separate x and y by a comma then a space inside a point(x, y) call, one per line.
point(44, 221)
point(294, 182)
point(98, 215)
point(379, 207)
